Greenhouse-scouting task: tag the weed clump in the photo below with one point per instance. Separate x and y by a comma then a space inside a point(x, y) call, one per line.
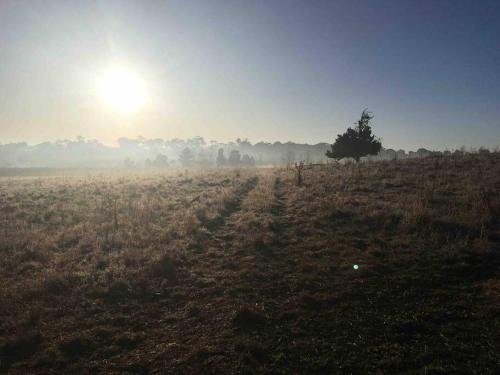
point(193, 311)
point(56, 285)
point(19, 347)
point(128, 340)
point(166, 267)
point(76, 347)
point(247, 319)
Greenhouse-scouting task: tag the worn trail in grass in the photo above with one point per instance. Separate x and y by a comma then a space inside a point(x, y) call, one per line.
point(240, 277)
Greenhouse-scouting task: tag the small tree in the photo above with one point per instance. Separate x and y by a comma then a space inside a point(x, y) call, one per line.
point(298, 170)
point(356, 143)
point(221, 159)
point(234, 158)
point(186, 157)
point(128, 163)
point(160, 161)
point(247, 161)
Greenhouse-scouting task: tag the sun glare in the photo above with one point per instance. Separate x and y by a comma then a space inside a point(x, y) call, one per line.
point(122, 90)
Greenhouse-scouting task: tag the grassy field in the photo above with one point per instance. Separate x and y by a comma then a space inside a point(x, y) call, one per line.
point(387, 267)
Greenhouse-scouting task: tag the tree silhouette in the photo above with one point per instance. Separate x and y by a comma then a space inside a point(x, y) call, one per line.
point(186, 157)
point(356, 143)
point(247, 160)
point(234, 158)
point(221, 159)
point(160, 161)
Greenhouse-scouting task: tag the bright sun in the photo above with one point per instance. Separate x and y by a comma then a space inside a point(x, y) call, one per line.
point(123, 90)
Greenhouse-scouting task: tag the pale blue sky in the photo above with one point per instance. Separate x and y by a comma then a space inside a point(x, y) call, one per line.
point(266, 70)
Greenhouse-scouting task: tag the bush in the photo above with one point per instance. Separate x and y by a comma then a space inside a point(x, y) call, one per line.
point(19, 347)
point(166, 267)
point(75, 347)
point(247, 319)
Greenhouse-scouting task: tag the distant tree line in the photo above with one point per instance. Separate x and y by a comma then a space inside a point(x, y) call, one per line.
point(194, 152)
point(158, 153)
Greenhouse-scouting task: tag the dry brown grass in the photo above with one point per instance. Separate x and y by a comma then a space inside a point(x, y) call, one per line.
point(243, 271)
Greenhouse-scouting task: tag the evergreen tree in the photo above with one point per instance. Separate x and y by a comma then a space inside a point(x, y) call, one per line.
point(356, 143)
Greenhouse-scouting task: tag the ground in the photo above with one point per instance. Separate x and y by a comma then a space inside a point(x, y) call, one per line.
point(242, 271)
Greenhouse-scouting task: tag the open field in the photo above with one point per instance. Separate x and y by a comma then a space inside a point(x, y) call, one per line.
point(242, 271)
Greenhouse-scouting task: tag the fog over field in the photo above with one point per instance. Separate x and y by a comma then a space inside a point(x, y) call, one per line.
point(195, 152)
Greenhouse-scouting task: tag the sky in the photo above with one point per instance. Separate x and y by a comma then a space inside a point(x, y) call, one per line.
point(276, 70)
